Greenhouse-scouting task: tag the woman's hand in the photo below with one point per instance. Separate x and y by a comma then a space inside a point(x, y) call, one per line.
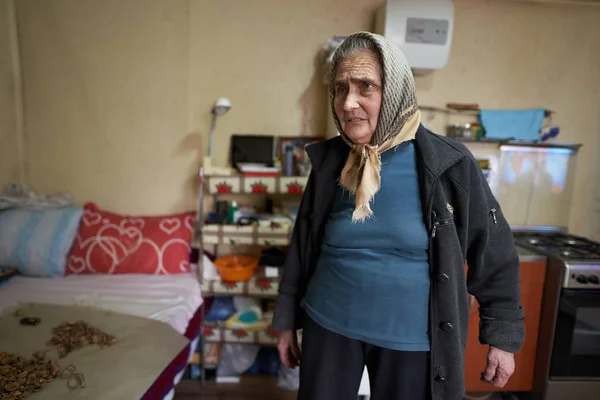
point(500, 366)
point(289, 352)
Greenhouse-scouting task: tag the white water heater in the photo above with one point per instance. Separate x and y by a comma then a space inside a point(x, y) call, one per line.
point(422, 29)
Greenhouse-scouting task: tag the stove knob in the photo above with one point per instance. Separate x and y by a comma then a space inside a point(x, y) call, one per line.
point(582, 279)
point(594, 279)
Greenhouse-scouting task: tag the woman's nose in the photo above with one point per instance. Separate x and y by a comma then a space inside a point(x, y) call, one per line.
point(351, 101)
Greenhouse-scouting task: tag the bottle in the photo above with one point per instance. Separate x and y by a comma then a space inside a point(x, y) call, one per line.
point(289, 161)
point(233, 209)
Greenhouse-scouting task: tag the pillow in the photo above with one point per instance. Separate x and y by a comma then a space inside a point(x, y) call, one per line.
point(37, 242)
point(109, 243)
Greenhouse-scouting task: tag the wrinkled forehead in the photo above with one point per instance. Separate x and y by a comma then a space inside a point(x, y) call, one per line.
point(362, 63)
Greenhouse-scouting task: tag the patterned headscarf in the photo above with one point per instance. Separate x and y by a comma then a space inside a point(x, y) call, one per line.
point(399, 120)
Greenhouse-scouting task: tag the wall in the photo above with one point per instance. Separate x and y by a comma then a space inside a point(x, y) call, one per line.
point(508, 54)
point(594, 220)
point(9, 155)
point(265, 58)
point(118, 93)
point(105, 88)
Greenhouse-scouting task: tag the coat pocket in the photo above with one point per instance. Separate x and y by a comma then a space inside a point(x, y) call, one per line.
point(499, 232)
point(441, 224)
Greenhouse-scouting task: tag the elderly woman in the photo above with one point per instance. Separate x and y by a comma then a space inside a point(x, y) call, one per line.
point(375, 273)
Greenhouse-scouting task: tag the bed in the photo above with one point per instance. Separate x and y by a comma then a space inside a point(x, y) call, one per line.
point(173, 299)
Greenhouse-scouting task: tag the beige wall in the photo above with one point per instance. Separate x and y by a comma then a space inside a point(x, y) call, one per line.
point(9, 156)
point(593, 223)
point(106, 101)
point(508, 54)
point(118, 93)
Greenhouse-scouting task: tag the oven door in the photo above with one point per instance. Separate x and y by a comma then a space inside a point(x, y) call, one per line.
point(576, 349)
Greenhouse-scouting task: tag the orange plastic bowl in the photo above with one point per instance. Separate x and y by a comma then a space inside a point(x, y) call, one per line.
point(236, 268)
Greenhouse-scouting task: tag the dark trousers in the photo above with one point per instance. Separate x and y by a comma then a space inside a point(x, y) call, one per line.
point(331, 368)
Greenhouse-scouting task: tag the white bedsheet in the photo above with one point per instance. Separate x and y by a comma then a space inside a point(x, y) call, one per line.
point(168, 298)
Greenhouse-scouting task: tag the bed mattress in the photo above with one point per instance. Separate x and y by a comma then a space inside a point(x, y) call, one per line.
point(173, 299)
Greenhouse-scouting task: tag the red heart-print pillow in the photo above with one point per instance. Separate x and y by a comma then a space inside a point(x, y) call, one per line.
point(109, 243)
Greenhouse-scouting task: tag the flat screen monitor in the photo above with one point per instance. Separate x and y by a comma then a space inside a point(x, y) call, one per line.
point(252, 149)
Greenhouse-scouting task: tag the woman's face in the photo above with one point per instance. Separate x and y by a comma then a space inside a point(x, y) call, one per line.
point(358, 92)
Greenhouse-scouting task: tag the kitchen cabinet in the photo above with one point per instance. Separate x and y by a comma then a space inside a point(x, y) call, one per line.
point(533, 274)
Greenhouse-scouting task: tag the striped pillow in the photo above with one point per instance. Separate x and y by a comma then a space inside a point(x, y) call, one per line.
point(37, 242)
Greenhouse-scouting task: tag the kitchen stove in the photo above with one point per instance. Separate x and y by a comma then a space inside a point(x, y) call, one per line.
point(567, 247)
point(568, 352)
point(580, 256)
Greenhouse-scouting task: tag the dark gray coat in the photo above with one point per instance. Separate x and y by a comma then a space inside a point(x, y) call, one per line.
point(465, 224)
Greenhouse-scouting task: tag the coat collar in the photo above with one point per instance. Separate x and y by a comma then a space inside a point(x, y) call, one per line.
point(437, 153)
point(327, 156)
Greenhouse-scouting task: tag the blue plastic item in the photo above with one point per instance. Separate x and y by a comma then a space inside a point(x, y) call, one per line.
point(551, 133)
point(522, 125)
point(248, 317)
point(289, 161)
point(221, 309)
point(267, 362)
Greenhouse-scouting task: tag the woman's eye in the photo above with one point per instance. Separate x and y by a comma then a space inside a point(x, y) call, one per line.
point(368, 86)
point(341, 90)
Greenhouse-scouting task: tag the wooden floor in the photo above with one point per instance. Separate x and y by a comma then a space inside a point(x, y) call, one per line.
point(264, 388)
point(250, 388)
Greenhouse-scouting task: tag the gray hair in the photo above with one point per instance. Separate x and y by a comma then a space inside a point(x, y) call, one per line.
point(350, 46)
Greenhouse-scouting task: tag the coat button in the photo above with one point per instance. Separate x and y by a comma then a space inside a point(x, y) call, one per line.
point(447, 326)
point(440, 379)
point(442, 278)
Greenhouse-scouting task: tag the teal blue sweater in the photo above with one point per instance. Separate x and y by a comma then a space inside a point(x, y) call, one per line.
point(371, 281)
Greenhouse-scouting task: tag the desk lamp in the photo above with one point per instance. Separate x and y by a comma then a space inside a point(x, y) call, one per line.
point(221, 106)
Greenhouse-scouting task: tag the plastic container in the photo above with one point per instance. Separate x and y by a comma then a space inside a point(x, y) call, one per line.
point(236, 268)
point(289, 161)
point(221, 309)
point(233, 210)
